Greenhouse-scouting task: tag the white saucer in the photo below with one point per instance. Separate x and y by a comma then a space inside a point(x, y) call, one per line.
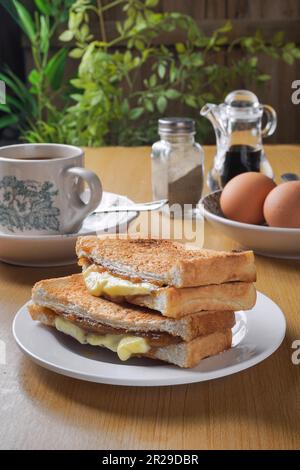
point(257, 334)
point(59, 250)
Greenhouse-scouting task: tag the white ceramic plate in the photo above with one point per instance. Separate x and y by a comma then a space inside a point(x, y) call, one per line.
point(256, 335)
point(59, 250)
point(274, 242)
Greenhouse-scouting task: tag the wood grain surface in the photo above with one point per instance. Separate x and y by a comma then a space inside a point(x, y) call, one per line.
point(255, 409)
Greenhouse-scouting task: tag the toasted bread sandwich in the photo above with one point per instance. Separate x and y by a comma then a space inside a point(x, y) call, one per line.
point(65, 304)
point(165, 276)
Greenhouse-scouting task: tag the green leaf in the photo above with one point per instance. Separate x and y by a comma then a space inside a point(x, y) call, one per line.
point(34, 77)
point(119, 28)
point(127, 57)
point(172, 94)
point(139, 44)
point(15, 103)
point(76, 53)
point(197, 60)
point(180, 47)
point(222, 40)
point(288, 57)
point(135, 113)
point(12, 85)
point(55, 68)
point(253, 62)
point(77, 82)
point(248, 42)
point(9, 6)
point(136, 61)
point(96, 99)
point(191, 101)
point(125, 107)
point(278, 38)
point(173, 72)
point(161, 70)
point(85, 30)
point(149, 105)
point(289, 46)
point(44, 7)
point(6, 121)
point(127, 25)
point(76, 96)
point(75, 19)
point(151, 3)
point(23, 96)
point(161, 104)
point(152, 81)
point(27, 23)
point(66, 36)
point(44, 35)
point(226, 28)
point(264, 77)
point(296, 53)
point(5, 108)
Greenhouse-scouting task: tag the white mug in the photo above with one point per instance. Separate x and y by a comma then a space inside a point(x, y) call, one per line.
point(40, 188)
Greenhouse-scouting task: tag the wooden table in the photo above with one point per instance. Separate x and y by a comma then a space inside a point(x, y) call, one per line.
point(257, 408)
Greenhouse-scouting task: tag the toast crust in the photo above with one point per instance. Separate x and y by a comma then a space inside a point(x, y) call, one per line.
point(189, 354)
point(166, 262)
point(176, 303)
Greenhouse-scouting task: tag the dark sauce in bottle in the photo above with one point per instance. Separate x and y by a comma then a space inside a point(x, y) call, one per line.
point(240, 159)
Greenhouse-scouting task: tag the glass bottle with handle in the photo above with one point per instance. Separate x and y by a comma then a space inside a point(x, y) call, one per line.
point(239, 136)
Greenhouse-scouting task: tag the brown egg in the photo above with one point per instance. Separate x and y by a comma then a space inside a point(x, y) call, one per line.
point(282, 206)
point(243, 197)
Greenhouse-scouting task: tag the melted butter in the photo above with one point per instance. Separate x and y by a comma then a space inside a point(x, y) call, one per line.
point(124, 345)
point(99, 283)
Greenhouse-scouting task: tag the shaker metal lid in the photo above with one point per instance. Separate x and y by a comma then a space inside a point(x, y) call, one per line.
point(174, 125)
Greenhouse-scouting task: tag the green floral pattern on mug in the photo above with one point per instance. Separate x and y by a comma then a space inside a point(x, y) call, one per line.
point(28, 204)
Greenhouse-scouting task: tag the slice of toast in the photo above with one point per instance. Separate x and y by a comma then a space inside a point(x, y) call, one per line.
point(69, 295)
point(183, 354)
point(166, 262)
point(175, 303)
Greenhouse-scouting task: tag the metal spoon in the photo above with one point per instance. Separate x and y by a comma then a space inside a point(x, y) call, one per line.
point(290, 177)
point(144, 206)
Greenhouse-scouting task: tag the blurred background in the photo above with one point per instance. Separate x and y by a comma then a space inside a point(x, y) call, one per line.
point(102, 72)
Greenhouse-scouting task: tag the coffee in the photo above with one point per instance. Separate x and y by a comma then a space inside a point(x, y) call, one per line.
point(36, 158)
point(31, 158)
point(240, 159)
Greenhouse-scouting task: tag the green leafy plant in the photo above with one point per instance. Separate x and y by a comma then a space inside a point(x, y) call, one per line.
point(108, 102)
point(31, 107)
point(112, 106)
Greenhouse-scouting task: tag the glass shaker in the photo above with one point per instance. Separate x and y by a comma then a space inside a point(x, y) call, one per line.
point(177, 163)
